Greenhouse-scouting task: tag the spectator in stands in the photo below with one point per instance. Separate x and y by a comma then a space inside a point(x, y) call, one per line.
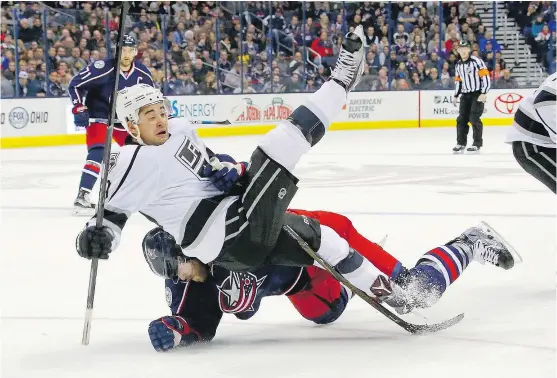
point(452, 42)
point(496, 73)
point(371, 38)
point(433, 44)
point(401, 48)
point(432, 62)
point(323, 47)
point(22, 84)
point(233, 79)
point(7, 89)
point(209, 85)
point(417, 46)
point(274, 85)
point(537, 26)
point(406, 18)
point(542, 40)
point(296, 65)
point(382, 82)
point(400, 32)
point(499, 59)
point(54, 86)
point(505, 81)
point(488, 40)
point(415, 82)
point(373, 62)
point(294, 84)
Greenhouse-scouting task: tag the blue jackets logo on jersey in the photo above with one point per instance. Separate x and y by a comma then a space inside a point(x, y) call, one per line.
point(238, 292)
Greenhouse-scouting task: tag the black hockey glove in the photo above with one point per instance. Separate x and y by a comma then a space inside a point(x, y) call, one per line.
point(94, 242)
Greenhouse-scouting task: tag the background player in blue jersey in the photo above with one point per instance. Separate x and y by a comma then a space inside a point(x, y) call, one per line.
point(90, 91)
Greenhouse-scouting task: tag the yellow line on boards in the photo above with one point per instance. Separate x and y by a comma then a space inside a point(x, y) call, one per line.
point(224, 131)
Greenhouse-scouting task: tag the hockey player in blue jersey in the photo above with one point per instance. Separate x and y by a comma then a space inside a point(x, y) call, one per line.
point(90, 91)
point(198, 295)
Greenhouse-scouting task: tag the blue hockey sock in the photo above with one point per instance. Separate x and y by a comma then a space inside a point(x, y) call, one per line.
point(443, 265)
point(91, 169)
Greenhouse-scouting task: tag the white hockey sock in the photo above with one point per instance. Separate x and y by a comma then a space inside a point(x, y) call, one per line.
point(335, 250)
point(286, 144)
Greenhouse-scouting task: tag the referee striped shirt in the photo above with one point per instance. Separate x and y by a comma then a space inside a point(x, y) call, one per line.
point(471, 75)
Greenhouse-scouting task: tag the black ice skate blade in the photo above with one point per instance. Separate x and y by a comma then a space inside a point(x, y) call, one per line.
point(409, 327)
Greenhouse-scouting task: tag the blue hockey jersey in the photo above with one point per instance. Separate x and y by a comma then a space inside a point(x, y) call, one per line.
point(202, 304)
point(94, 85)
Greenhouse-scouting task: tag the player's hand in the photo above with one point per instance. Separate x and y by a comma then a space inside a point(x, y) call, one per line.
point(80, 115)
point(482, 98)
point(94, 242)
point(224, 174)
point(454, 101)
point(170, 332)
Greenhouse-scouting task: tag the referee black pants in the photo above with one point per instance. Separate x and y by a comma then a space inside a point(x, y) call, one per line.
point(470, 111)
point(537, 161)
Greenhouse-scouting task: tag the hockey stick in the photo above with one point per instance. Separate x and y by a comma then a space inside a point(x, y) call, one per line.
point(104, 177)
point(412, 328)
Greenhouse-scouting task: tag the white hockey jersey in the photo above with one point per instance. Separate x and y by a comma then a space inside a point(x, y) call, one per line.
point(535, 120)
point(165, 184)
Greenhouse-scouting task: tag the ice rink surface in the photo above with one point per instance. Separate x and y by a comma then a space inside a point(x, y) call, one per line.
point(404, 183)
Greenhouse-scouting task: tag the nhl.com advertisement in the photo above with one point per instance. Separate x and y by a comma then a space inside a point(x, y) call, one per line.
point(501, 103)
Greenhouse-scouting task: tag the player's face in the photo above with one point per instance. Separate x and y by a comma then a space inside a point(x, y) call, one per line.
point(128, 55)
point(153, 124)
point(192, 270)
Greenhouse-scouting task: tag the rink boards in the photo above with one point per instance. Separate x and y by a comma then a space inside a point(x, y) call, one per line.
point(49, 121)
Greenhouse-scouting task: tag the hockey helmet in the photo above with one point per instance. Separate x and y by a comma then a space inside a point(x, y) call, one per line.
point(162, 253)
point(129, 102)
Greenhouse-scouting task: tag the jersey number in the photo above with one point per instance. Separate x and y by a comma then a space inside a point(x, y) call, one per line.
point(191, 157)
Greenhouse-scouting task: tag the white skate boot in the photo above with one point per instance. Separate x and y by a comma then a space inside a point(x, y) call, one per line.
point(82, 205)
point(351, 59)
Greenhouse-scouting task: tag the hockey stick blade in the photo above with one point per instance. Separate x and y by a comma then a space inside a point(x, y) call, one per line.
point(410, 327)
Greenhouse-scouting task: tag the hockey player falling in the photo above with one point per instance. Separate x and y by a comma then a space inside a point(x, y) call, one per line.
point(162, 176)
point(198, 294)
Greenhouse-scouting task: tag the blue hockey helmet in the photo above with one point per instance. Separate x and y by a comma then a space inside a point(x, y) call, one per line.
point(162, 253)
point(129, 41)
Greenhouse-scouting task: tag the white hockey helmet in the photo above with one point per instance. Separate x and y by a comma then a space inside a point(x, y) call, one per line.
point(129, 102)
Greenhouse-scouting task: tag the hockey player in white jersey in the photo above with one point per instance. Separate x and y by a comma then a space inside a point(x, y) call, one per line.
point(533, 134)
point(162, 176)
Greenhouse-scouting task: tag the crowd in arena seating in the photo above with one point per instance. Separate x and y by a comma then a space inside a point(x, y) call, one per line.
point(247, 47)
point(536, 20)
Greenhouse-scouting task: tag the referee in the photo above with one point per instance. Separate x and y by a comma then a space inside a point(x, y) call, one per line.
point(472, 84)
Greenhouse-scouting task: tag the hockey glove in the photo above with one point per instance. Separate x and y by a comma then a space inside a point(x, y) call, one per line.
point(170, 332)
point(94, 242)
point(224, 172)
point(80, 115)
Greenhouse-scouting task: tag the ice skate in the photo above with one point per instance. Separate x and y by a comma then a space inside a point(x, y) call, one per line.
point(350, 63)
point(473, 150)
point(488, 246)
point(458, 149)
point(82, 206)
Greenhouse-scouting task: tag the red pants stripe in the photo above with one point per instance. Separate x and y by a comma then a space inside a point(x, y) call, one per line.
point(324, 290)
point(95, 135)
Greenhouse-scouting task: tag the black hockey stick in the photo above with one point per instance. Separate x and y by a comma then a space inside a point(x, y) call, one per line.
point(412, 328)
point(104, 177)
